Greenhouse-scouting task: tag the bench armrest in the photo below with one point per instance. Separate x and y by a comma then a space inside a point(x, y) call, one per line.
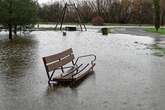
point(85, 56)
point(75, 69)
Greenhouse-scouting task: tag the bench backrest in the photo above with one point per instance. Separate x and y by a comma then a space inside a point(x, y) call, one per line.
point(58, 60)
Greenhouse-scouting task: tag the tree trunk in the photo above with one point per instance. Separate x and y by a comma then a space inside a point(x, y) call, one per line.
point(10, 32)
point(15, 30)
point(162, 18)
point(157, 14)
point(98, 8)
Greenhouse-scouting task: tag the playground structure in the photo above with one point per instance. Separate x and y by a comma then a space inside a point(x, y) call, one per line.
point(70, 4)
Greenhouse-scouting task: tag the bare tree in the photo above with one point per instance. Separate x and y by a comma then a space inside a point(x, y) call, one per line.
point(162, 5)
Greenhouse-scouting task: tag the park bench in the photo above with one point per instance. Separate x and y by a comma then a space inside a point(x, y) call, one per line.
point(70, 70)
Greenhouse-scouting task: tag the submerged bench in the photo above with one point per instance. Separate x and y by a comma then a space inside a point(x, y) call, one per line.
point(72, 72)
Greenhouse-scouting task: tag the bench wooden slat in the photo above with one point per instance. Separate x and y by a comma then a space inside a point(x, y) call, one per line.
point(81, 75)
point(75, 78)
point(58, 56)
point(64, 78)
point(60, 63)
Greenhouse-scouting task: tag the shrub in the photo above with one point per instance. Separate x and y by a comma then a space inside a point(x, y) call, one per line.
point(98, 21)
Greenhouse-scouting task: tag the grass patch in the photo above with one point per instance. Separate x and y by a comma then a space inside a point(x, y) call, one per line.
point(109, 30)
point(153, 30)
point(158, 51)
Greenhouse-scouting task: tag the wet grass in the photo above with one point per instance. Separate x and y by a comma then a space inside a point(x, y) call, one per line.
point(24, 40)
point(109, 30)
point(153, 30)
point(18, 42)
point(18, 52)
point(158, 51)
point(105, 24)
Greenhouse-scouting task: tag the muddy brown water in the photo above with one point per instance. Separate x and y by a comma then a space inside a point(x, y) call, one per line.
point(127, 75)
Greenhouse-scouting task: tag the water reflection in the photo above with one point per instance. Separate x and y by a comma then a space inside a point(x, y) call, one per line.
point(17, 56)
point(73, 86)
point(127, 75)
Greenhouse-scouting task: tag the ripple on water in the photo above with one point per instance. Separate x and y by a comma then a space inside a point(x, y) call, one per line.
point(122, 74)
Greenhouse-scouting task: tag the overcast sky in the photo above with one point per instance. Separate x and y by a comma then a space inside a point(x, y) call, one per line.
point(43, 1)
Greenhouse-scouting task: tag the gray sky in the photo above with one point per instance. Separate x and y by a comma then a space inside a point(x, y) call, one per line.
point(43, 1)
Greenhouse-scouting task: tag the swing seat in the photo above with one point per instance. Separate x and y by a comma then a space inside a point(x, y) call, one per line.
point(71, 71)
point(70, 28)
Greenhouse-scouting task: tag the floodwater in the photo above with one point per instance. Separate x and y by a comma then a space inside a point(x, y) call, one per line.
point(127, 74)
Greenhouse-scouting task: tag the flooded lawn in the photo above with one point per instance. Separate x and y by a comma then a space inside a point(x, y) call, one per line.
point(128, 76)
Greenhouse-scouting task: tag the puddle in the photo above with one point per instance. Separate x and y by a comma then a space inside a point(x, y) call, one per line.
point(126, 71)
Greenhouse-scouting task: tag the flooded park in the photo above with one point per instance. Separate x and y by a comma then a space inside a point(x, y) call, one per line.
point(129, 71)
